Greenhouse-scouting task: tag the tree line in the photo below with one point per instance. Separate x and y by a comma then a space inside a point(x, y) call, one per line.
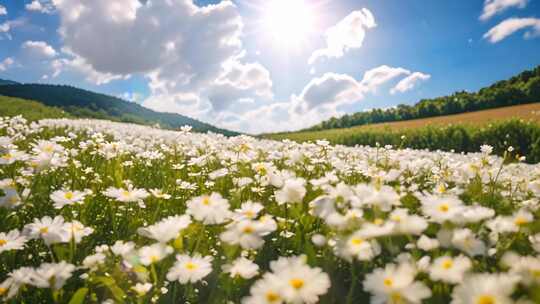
point(521, 89)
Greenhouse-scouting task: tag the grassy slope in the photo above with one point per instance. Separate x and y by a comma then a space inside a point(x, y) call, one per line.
point(527, 112)
point(31, 110)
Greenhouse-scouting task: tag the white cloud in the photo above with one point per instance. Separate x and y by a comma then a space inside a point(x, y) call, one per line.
point(6, 63)
point(4, 27)
point(494, 7)
point(409, 82)
point(42, 6)
point(183, 49)
point(9, 25)
point(3, 10)
point(79, 65)
point(329, 90)
point(347, 34)
point(239, 82)
point(39, 49)
point(381, 75)
point(512, 25)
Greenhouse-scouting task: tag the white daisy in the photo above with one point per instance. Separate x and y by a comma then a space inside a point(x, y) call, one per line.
point(210, 209)
point(166, 229)
point(13, 240)
point(190, 269)
point(241, 267)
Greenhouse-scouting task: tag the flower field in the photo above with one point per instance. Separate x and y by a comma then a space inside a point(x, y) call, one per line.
point(103, 212)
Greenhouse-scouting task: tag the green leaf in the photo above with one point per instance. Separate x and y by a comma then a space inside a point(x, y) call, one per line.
point(78, 296)
point(110, 283)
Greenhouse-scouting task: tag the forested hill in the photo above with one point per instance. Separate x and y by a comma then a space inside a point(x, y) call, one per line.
point(520, 89)
point(82, 103)
point(4, 82)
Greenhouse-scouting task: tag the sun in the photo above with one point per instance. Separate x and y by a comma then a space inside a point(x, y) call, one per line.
point(288, 22)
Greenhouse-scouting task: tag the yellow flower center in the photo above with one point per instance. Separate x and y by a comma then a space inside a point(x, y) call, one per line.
point(2, 291)
point(261, 169)
point(444, 208)
point(206, 201)
point(13, 200)
point(396, 298)
point(125, 193)
point(356, 241)
point(154, 258)
point(378, 221)
point(249, 214)
point(396, 218)
point(7, 156)
point(2, 242)
point(68, 195)
point(388, 282)
point(191, 266)
point(247, 230)
point(44, 230)
point(486, 299)
point(520, 220)
point(297, 283)
point(534, 272)
point(447, 264)
point(272, 297)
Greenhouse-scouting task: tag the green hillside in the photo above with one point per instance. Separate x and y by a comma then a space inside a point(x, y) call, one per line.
point(31, 110)
point(521, 89)
point(5, 82)
point(82, 103)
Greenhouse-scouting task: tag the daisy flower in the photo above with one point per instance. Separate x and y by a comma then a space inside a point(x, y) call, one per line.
point(63, 198)
point(265, 291)
point(166, 229)
point(485, 289)
point(449, 269)
point(154, 253)
point(13, 240)
point(210, 209)
point(50, 230)
point(77, 230)
point(300, 283)
point(246, 233)
point(442, 208)
point(356, 246)
point(241, 267)
point(293, 191)
point(190, 269)
point(126, 195)
point(52, 275)
point(395, 284)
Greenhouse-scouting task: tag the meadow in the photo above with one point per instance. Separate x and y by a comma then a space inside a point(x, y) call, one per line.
point(516, 126)
point(102, 212)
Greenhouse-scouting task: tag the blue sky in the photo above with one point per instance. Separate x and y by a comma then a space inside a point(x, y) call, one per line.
point(245, 65)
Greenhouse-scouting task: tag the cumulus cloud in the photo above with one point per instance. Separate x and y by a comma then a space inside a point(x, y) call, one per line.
point(79, 65)
point(9, 25)
point(320, 99)
point(381, 75)
point(6, 63)
point(239, 82)
point(39, 49)
point(182, 48)
point(409, 82)
point(40, 6)
point(329, 90)
point(494, 7)
point(347, 34)
point(3, 10)
point(512, 25)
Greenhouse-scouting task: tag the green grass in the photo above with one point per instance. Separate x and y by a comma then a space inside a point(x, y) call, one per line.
point(31, 110)
point(522, 135)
